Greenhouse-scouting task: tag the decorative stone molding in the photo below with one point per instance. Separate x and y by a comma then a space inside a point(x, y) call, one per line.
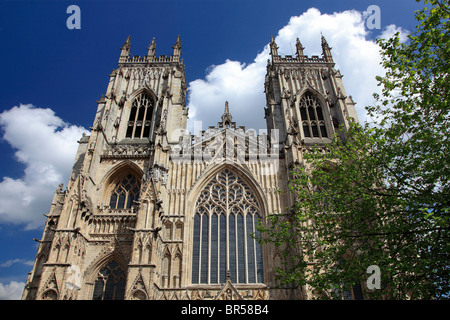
point(127, 151)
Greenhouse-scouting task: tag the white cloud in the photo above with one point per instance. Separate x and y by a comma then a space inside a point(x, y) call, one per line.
point(46, 145)
point(356, 56)
point(11, 291)
point(239, 84)
point(390, 30)
point(9, 263)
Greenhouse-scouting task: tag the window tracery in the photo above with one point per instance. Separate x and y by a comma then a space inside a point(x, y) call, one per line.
point(110, 283)
point(125, 193)
point(140, 117)
point(227, 213)
point(313, 121)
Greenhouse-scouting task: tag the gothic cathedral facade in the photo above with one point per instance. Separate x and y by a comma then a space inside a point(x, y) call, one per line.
point(153, 212)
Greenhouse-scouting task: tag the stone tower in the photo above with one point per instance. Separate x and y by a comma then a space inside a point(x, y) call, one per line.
point(153, 212)
point(306, 99)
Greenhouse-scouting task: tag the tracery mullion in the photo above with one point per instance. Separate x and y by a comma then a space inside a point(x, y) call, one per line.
point(148, 105)
point(121, 190)
point(218, 248)
point(135, 115)
point(315, 106)
point(253, 244)
point(244, 217)
point(138, 123)
point(240, 233)
point(236, 241)
point(208, 259)
point(205, 230)
point(126, 198)
point(200, 250)
point(215, 247)
point(123, 193)
point(321, 119)
point(231, 244)
point(312, 116)
point(223, 256)
point(104, 288)
point(143, 121)
point(147, 120)
point(227, 218)
point(308, 117)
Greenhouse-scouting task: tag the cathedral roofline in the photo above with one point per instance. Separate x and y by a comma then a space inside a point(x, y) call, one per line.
point(148, 60)
point(303, 60)
point(151, 57)
point(300, 58)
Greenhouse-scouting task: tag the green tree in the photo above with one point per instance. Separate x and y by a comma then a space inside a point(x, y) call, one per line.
point(379, 194)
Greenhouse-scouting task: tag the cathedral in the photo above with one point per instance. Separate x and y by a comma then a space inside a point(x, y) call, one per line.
point(153, 212)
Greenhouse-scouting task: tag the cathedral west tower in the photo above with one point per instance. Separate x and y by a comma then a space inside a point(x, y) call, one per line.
point(153, 212)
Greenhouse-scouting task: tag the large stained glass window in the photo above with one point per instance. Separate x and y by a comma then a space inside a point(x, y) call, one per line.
point(227, 213)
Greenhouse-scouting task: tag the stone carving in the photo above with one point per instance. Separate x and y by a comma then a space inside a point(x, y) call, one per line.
point(119, 151)
point(152, 238)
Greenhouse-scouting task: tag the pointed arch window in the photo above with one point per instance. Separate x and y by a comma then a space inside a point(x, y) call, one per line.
point(125, 193)
point(110, 283)
point(140, 117)
point(227, 213)
point(313, 121)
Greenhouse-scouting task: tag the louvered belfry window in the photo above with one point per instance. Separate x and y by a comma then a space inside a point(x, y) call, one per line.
point(313, 121)
point(140, 117)
point(227, 213)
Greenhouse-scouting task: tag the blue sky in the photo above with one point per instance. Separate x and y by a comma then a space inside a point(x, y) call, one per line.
point(52, 76)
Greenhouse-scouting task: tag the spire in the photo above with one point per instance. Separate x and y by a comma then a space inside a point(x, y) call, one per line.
point(126, 48)
point(151, 48)
point(300, 48)
point(227, 118)
point(324, 41)
point(273, 47)
point(227, 110)
point(177, 47)
point(326, 50)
